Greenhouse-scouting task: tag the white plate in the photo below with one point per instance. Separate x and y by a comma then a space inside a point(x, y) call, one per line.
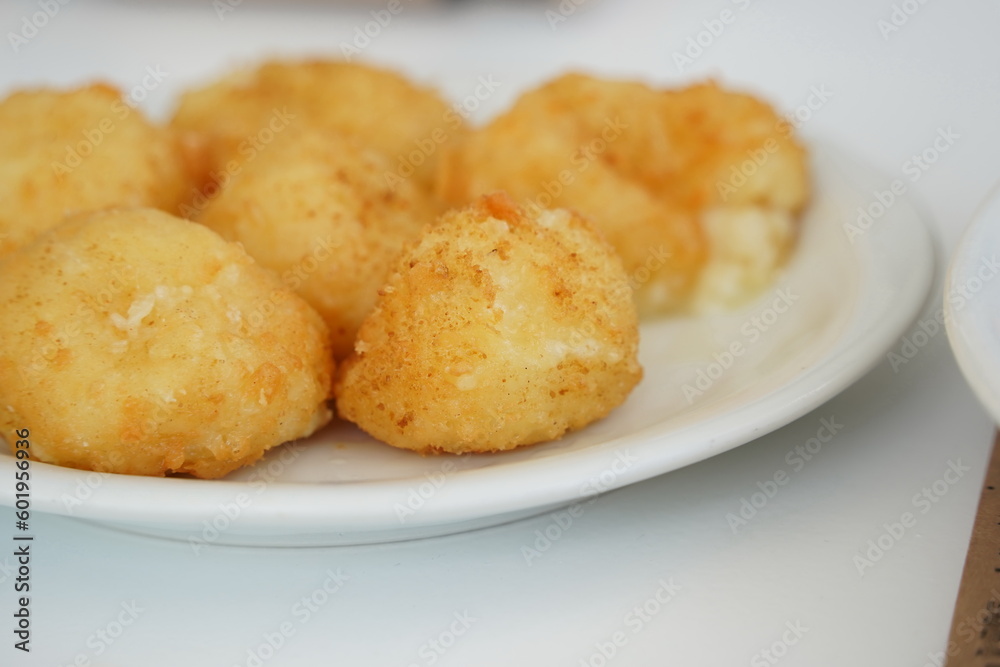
point(972, 304)
point(849, 302)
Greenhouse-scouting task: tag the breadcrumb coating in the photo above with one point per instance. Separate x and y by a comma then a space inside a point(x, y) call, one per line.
point(499, 328)
point(67, 152)
point(407, 123)
point(315, 208)
point(656, 171)
point(135, 342)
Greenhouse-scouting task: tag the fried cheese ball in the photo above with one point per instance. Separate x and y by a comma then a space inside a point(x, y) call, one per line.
point(135, 342)
point(315, 207)
point(238, 115)
point(499, 328)
point(664, 174)
point(746, 176)
point(81, 150)
point(544, 165)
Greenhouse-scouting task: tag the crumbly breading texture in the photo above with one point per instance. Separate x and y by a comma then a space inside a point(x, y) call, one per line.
point(717, 133)
point(134, 342)
point(497, 329)
point(77, 151)
point(648, 166)
point(409, 124)
point(316, 208)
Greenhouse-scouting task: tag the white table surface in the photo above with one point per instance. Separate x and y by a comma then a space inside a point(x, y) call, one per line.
point(792, 565)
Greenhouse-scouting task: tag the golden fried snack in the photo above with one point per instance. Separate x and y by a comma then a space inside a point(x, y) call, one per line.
point(498, 328)
point(746, 176)
point(714, 132)
point(544, 164)
point(239, 115)
point(77, 151)
point(134, 342)
point(316, 208)
point(653, 169)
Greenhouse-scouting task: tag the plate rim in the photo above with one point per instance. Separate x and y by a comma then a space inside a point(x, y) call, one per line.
point(360, 507)
point(961, 324)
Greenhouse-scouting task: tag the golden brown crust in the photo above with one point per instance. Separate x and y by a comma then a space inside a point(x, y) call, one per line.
point(646, 166)
point(381, 108)
point(316, 208)
point(135, 342)
point(65, 152)
point(498, 329)
point(716, 131)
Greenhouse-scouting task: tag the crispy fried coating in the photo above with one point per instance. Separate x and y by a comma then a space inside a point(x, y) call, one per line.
point(64, 152)
point(236, 115)
point(715, 132)
point(316, 208)
point(708, 179)
point(550, 165)
point(135, 342)
point(746, 176)
point(498, 328)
